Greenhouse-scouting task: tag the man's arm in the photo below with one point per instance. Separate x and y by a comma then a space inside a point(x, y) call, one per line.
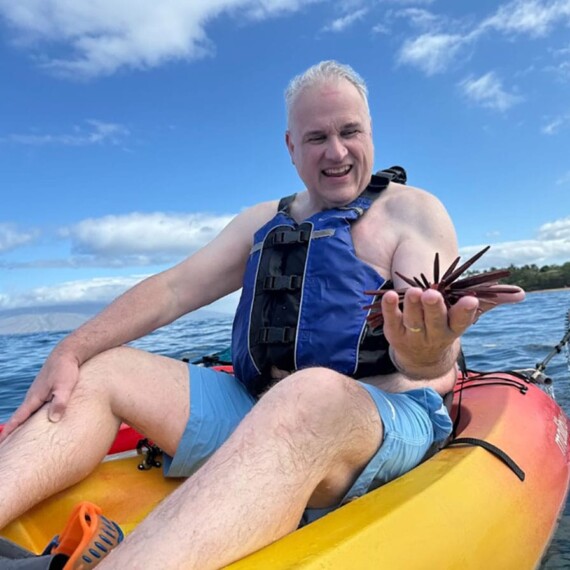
point(209, 274)
point(424, 335)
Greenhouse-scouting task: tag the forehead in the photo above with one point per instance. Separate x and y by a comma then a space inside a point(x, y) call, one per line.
point(330, 103)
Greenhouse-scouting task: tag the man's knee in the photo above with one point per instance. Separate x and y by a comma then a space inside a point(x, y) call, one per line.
point(334, 424)
point(100, 372)
point(322, 401)
point(314, 387)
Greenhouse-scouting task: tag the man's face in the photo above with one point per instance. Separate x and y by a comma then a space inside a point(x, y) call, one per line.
point(330, 142)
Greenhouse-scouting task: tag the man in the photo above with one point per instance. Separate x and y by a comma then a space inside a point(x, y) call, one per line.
point(305, 432)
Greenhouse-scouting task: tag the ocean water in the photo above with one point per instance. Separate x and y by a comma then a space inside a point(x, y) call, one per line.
point(509, 337)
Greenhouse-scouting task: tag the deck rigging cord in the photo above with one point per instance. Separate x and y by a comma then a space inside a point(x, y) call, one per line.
point(535, 376)
point(541, 366)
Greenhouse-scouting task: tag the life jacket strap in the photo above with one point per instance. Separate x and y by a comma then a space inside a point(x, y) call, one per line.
point(277, 335)
point(282, 282)
point(290, 237)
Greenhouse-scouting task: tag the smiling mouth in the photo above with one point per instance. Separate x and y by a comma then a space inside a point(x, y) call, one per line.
point(337, 172)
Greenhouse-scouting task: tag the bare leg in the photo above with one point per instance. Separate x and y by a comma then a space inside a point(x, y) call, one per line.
point(122, 384)
point(305, 442)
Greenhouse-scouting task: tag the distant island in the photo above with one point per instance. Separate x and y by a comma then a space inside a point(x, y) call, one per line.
point(60, 318)
point(534, 278)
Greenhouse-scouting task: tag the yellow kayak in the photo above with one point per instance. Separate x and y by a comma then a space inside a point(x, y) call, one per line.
point(463, 508)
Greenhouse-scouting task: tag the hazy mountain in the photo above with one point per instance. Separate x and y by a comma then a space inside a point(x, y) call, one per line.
point(63, 318)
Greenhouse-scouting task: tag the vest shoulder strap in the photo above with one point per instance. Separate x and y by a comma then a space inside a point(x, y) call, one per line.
point(285, 203)
point(379, 181)
point(395, 174)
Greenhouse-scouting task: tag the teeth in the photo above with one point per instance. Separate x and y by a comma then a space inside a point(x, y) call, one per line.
point(341, 171)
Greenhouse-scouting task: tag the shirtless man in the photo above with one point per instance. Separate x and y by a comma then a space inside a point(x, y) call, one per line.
point(316, 436)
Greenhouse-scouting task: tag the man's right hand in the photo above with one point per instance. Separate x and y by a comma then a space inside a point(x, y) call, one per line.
point(52, 386)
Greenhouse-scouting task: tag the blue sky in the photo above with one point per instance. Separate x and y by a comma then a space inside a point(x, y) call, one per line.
point(132, 131)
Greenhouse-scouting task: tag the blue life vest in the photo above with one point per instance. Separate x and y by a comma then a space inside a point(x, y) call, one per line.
point(303, 296)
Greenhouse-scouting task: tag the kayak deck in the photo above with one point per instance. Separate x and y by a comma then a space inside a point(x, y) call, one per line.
point(463, 508)
point(125, 494)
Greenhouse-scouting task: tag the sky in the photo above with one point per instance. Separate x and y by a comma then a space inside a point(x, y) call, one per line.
point(132, 131)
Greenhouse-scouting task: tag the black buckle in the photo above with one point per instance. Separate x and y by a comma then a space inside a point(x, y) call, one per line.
point(276, 335)
point(282, 282)
point(288, 237)
point(395, 174)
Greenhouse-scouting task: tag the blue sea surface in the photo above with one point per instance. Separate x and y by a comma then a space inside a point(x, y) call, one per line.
point(509, 337)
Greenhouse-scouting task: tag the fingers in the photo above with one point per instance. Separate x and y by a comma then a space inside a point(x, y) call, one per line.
point(53, 386)
point(34, 400)
point(58, 405)
point(434, 312)
point(423, 333)
point(56, 409)
point(463, 314)
point(398, 322)
point(391, 311)
point(515, 296)
point(30, 405)
point(425, 312)
point(9, 427)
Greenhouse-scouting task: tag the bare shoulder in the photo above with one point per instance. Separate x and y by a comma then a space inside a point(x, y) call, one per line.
point(402, 218)
point(398, 210)
point(251, 219)
point(263, 211)
point(407, 204)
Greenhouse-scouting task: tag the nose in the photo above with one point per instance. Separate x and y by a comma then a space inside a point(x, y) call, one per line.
point(336, 150)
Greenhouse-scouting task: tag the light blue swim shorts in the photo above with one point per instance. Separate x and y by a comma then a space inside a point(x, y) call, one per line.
point(412, 420)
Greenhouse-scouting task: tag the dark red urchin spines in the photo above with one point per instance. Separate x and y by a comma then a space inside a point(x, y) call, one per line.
point(483, 285)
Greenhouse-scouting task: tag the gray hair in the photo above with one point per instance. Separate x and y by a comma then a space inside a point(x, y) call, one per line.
point(321, 73)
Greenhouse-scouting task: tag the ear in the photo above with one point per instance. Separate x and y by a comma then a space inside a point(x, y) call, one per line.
point(290, 145)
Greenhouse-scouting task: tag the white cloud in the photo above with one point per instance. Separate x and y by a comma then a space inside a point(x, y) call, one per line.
point(562, 70)
point(97, 290)
point(142, 238)
point(488, 91)
point(535, 18)
point(420, 18)
point(405, 2)
point(560, 67)
point(116, 241)
point(345, 21)
point(96, 133)
point(551, 246)
point(557, 230)
point(381, 28)
point(564, 179)
point(432, 53)
point(523, 252)
point(11, 237)
point(98, 37)
point(555, 125)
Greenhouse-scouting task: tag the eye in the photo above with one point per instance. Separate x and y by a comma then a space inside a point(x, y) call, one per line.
point(348, 133)
point(315, 139)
